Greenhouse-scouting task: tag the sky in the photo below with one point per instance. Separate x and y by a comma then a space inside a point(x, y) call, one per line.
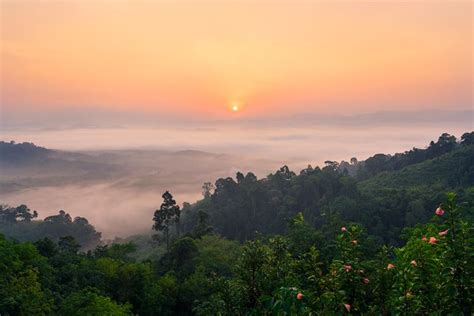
point(233, 59)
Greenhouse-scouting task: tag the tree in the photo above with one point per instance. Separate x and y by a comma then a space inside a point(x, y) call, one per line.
point(207, 188)
point(251, 270)
point(62, 217)
point(16, 214)
point(89, 302)
point(333, 165)
point(182, 254)
point(68, 244)
point(168, 214)
point(445, 143)
point(240, 177)
point(467, 138)
point(22, 269)
point(46, 247)
point(17, 223)
point(202, 228)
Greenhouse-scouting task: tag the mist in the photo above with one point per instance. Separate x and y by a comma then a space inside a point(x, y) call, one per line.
point(114, 176)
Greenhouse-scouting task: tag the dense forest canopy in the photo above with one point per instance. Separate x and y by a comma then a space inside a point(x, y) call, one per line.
point(379, 236)
point(385, 194)
point(18, 223)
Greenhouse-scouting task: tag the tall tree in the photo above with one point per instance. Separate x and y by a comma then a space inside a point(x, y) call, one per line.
point(207, 188)
point(467, 138)
point(168, 214)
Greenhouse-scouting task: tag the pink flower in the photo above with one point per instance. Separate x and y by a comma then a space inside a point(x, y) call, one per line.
point(433, 240)
point(424, 238)
point(348, 307)
point(343, 229)
point(439, 211)
point(444, 232)
point(413, 263)
point(366, 280)
point(390, 266)
point(299, 296)
point(347, 267)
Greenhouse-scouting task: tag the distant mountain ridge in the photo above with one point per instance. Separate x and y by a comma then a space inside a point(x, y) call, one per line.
point(17, 153)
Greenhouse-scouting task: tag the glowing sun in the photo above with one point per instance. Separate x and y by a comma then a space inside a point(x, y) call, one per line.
point(235, 106)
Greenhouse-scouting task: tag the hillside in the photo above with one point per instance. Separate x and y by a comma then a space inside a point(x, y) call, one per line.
point(450, 170)
point(25, 166)
point(384, 193)
point(322, 242)
point(384, 202)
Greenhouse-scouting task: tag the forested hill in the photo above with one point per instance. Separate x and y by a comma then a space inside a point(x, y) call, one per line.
point(306, 258)
point(384, 194)
point(453, 169)
point(13, 153)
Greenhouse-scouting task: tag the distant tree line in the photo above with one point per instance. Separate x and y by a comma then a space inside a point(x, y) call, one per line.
point(17, 222)
point(380, 162)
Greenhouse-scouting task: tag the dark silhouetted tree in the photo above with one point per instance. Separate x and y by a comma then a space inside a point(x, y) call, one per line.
point(207, 188)
point(16, 214)
point(240, 177)
point(467, 138)
point(168, 214)
point(445, 143)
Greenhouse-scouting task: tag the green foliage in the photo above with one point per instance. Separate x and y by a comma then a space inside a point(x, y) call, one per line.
point(378, 163)
point(216, 255)
point(271, 275)
point(434, 269)
point(312, 244)
point(396, 191)
point(116, 251)
point(88, 302)
point(18, 223)
point(202, 228)
point(287, 301)
point(21, 270)
point(146, 247)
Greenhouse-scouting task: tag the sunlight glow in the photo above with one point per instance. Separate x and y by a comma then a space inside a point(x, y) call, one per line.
point(235, 106)
point(285, 59)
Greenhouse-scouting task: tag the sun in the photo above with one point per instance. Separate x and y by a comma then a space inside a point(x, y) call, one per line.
point(235, 106)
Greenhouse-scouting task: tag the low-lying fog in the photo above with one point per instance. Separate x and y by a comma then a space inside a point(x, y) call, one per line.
point(117, 179)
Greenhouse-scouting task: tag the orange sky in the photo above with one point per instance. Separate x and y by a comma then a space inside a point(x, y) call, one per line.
point(198, 57)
